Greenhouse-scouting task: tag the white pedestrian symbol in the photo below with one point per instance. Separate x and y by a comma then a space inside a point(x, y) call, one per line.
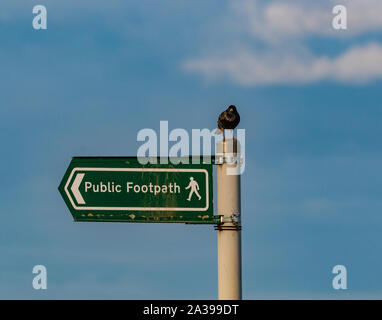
point(194, 189)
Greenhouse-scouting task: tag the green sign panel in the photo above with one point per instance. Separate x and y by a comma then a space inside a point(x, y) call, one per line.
point(121, 189)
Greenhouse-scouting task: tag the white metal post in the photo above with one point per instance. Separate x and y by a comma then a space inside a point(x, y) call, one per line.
point(229, 230)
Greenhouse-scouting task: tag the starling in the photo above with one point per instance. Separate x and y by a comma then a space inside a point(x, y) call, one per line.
point(228, 119)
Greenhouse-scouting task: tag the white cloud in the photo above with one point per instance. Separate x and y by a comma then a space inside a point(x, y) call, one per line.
point(363, 15)
point(282, 27)
point(282, 20)
point(357, 65)
point(278, 21)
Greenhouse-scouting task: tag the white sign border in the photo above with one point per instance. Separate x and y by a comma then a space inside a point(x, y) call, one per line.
point(137, 208)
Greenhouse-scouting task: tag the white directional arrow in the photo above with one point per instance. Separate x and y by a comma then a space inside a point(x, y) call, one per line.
point(75, 186)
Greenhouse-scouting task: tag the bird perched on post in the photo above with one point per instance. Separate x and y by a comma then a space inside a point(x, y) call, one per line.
point(228, 119)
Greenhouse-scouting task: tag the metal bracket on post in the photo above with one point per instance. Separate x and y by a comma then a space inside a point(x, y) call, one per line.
point(235, 219)
point(220, 159)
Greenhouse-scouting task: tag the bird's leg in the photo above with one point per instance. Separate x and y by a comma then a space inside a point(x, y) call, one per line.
point(233, 135)
point(223, 136)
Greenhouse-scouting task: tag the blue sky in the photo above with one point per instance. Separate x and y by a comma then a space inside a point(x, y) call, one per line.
point(309, 98)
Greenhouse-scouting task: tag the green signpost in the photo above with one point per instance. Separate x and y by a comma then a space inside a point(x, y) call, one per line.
point(122, 189)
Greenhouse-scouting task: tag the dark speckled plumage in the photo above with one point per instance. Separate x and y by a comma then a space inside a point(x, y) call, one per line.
point(228, 119)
